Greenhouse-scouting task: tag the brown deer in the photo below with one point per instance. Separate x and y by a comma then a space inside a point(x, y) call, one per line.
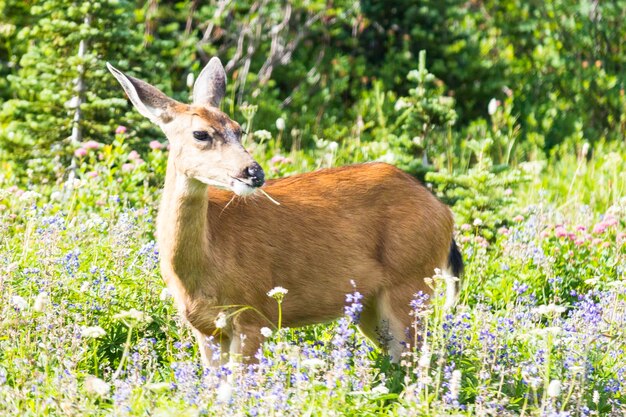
point(371, 223)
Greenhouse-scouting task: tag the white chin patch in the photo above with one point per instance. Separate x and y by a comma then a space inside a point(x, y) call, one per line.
point(241, 188)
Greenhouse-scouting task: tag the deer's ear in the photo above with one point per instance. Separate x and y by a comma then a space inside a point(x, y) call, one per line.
point(210, 87)
point(148, 100)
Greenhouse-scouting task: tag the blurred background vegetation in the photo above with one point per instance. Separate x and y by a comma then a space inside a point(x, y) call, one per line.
point(473, 97)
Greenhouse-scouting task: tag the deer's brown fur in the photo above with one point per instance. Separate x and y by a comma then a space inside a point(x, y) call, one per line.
point(369, 223)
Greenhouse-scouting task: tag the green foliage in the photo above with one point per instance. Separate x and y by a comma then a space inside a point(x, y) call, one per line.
point(57, 77)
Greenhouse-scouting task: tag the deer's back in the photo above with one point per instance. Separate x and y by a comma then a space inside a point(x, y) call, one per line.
point(370, 223)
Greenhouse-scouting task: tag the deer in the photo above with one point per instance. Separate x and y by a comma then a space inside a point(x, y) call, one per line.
point(223, 244)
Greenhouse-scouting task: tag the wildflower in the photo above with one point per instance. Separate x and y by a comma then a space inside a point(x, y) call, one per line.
point(519, 218)
point(190, 79)
point(92, 174)
point(492, 107)
point(277, 293)
point(280, 124)
point(80, 152)
point(29, 196)
point(424, 360)
point(41, 302)
point(554, 389)
point(600, 228)
point(91, 144)
point(95, 385)
point(312, 363)
point(477, 222)
point(19, 303)
point(549, 309)
point(165, 294)
point(134, 155)
point(262, 135)
point(466, 227)
point(120, 130)
point(155, 145)
point(133, 315)
point(332, 146)
point(220, 321)
point(560, 232)
point(266, 332)
point(159, 386)
point(92, 332)
point(224, 392)
point(455, 385)
point(380, 389)
point(508, 192)
point(128, 167)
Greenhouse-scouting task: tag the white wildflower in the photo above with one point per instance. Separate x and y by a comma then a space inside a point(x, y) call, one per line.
point(159, 386)
point(424, 360)
point(455, 384)
point(380, 389)
point(266, 331)
point(92, 332)
point(41, 302)
point(30, 196)
point(280, 124)
point(277, 292)
point(554, 389)
point(478, 222)
point(133, 315)
point(263, 134)
point(56, 196)
point(224, 392)
point(190, 79)
point(312, 363)
point(165, 294)
point(333, 146)
point(549, 310)
point(596, 397)
point(19, 302)
point(492, 107)
point(95, 385)
point(220, 321)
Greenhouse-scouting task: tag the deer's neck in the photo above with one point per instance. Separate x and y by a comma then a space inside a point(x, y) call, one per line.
point(183, 230)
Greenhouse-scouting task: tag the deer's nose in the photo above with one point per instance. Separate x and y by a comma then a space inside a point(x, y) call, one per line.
point(255, 174)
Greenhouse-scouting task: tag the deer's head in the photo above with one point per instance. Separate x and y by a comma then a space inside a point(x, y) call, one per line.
point(205, 144)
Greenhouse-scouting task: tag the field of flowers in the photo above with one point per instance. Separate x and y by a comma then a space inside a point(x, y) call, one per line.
point(87, 327)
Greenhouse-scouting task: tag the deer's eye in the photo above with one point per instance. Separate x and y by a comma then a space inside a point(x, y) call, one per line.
point(201, 135)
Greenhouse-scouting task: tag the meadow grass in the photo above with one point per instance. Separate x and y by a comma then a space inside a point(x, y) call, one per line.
point(88, 328)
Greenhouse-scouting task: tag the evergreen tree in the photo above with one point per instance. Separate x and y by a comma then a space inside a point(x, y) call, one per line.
point(61, 91)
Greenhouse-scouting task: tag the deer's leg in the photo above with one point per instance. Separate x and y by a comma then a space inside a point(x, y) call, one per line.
point(395, 320)
point(212, 354)
point(245, 343)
